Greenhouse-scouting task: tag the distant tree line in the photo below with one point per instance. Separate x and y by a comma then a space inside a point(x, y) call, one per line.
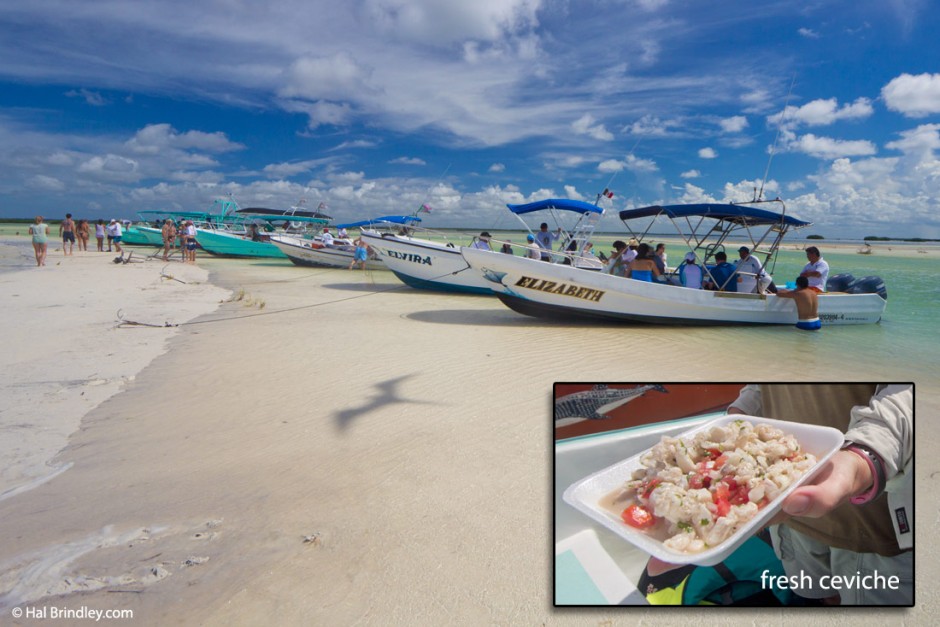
point(878, 238)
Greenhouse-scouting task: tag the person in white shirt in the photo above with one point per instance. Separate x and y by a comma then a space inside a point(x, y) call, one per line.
point(690, 273)
point(116, 233)
point(749, 270)
point(327, 237)
point(532, 250)
point(816, 271)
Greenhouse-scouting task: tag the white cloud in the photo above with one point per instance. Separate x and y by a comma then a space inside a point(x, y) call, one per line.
point(45, 183)
point(829, 148)
point(630, 162)
point(734, 124)
point(923, 140)
point(334, 77)
point(913, 96)
point(93, 98)
point(274, 170)
point(444, 23)
point(707, 153)
point(585, 126)
point(691, 174)
point(822, 112)
point(109, 165)
point(408, 161)
point(156, 138)
point(497, 167)
point(808, 33)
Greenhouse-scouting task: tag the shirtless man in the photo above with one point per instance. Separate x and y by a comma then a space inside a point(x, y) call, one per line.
point(806, 303)
point(67, 231)
point(169, 237)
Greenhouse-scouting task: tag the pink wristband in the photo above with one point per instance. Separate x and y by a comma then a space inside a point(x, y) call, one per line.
point(861, 499)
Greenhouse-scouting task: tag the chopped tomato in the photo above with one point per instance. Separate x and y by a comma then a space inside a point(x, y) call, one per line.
point(697, 481)
point(740, 496)
point(730, 482)
point(651, 486)
point(721, 498)
point(638, 516)
point(713, 452)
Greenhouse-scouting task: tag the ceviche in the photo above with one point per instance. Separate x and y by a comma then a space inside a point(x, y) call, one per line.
point(696, 494)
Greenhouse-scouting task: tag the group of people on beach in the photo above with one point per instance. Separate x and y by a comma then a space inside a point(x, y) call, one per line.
point(185, 233)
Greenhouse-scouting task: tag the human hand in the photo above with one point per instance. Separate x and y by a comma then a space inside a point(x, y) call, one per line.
point(844, 475)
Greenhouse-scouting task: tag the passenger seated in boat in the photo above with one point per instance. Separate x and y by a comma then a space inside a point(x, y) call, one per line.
point(327, 237)
point(482, 242)
point(532, 250)
point(690, 273)
point(644, 268)
point(507, 247)
point(807, 303)
point(723, 274)
point(569, 251)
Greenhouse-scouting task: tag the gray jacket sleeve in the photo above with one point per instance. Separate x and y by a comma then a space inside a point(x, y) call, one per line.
point(887, 426)
point(749, 400)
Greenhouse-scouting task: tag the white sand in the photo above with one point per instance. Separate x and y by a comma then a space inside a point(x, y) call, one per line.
point(355, 452)
point(63, 355)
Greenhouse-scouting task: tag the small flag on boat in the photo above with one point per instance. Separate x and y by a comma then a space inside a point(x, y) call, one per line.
point(322, 205)
point(608, 193)
point(425, 208)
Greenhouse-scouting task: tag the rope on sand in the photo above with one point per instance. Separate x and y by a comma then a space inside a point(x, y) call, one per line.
point(133, 323)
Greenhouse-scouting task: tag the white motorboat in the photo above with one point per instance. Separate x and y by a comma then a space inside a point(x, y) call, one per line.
point(437, 264)
point(340, 252)
point(555, 290)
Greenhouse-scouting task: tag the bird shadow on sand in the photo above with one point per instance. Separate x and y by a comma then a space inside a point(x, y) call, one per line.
point(385, 393)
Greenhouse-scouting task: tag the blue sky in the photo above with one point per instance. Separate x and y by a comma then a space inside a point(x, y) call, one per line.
point(376, 106)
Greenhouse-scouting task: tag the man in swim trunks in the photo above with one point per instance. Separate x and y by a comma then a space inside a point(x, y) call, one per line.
point(360, 255)
point(806, 304)
point(67, 231)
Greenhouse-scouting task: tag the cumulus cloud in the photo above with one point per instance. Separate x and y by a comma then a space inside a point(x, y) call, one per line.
point(734, 124)
point(923, 140)
point(585, 126)
point(497, 167)
point(822, 112)
point(829, 148)
point(691, 174)
point(275, 170)
point(913, 96)
point(630, 162)
point(707, 153)
point(156, 138)
point(334, 77)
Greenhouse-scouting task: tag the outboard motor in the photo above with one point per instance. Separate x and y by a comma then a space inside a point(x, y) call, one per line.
point(868, 285)
point(839, 282)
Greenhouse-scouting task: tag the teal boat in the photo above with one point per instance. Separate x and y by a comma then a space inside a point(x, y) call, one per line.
point(248, 235)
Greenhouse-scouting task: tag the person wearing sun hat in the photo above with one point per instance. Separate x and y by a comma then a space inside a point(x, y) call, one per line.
point(532, 250)
point(482, 241)
point(690, 273)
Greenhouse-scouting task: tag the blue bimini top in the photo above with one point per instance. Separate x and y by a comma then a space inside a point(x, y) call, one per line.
point(578, 206)
point(382, 220)
point(742, 214)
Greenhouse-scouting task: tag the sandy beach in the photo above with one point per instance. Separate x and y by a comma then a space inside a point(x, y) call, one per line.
point(317, 446)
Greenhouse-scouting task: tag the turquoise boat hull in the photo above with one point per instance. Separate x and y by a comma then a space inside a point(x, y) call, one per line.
point(232, 245)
